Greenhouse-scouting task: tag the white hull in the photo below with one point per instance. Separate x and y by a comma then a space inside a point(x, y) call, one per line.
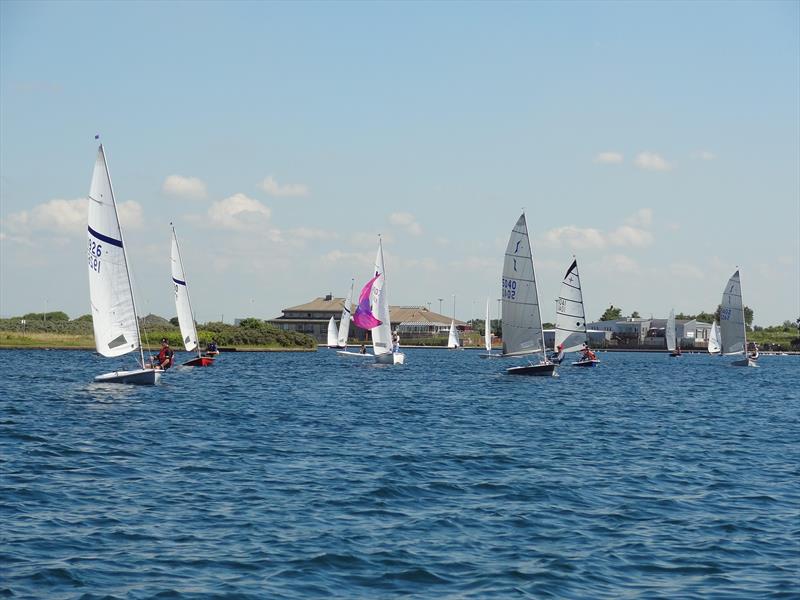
point(745, 362)
point(356, 354)
point(137, 377)
point(391, 358)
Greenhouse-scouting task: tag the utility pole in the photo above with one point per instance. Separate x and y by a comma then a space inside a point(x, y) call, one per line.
point(440, 305)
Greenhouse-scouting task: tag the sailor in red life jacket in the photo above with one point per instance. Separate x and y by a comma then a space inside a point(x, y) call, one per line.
point(587, 353)
point(165, 357)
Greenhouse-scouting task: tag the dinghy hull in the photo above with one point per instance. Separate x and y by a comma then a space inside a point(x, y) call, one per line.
point(544, 370)
point(391, 358)
point(199, 361)
point(137, 377)
point(746, 362)
point(586, 363)
point(355, 354)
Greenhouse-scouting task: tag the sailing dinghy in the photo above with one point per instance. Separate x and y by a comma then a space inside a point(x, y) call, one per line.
point(184, 308)
point(333, 334)
point(714, 346)
point(453, 343)
point(344, 324)
point(114, 318)
point(372, 313)
point(671, 336)
point(523, 335)
point(732, 324)
point(487, 335)
point(570, 334)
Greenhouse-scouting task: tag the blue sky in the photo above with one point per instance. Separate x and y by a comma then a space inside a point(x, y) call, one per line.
point(658, 142)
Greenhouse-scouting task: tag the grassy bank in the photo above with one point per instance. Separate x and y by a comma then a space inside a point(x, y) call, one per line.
point(61, 332)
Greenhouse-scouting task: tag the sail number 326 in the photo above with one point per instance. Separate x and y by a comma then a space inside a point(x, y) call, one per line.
point(95, 251)
point(509, 288)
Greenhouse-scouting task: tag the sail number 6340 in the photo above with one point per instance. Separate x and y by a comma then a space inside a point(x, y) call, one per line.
point(509, 288)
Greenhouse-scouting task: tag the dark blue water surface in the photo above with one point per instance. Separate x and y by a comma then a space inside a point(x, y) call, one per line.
point(283, 475)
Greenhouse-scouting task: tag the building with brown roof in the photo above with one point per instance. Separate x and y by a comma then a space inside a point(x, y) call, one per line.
point(312, 318)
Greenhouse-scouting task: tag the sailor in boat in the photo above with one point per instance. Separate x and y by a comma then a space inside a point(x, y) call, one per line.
point(363, 349)
point(212, 348)
point(395, 341)
point(164, 359)
point(558, 355)
point(587, 354)
point(754, 353)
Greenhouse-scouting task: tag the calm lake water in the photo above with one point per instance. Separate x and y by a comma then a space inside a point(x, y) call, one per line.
point(315, 476)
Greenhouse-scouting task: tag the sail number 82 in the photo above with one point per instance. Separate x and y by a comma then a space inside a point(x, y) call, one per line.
point(509, 289)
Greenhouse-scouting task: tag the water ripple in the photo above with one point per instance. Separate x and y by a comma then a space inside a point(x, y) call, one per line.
point(306, 475)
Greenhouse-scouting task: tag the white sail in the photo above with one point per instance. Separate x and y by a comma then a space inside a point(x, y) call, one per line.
point(522, 322)
point(182, 304)
point(713, 339)
point(344, 323)
point(570, 315)
point(731, 318)
point(669, 333)
point(382, 334)
point(452, 338)
point(116, 330)
point(333, 334)
point(487, 329)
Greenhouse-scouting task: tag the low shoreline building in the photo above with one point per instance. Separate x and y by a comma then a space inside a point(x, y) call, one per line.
point(312, 318)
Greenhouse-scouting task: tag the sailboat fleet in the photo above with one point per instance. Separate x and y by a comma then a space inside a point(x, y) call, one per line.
point(116, 324)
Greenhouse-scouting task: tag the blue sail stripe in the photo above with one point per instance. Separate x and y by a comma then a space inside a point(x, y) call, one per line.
point(179, 281)
point(105, 238)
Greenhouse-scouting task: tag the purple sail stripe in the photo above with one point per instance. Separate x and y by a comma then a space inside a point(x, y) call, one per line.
point(363, 316)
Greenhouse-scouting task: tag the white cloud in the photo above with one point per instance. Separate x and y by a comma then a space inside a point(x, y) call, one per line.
point(273, 188)
point(573, 237)
point(609, 158)
point(630, 236)
point(633, 233)
point(66, 217)
point(407, 221)
point(131, 215)
point(620, 263)
point(238, 212)
point(188, 187)
point(650, 161)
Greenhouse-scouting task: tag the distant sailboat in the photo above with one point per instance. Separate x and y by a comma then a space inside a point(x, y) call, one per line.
point(452, 337)
point(487, 335)
point(453, 343)
point(732, 323)
point(344, 322)
point(714, 346)
point(333, 334)
point(522, 322)
point(184, 308)
point(671, 336)
point(116, 325)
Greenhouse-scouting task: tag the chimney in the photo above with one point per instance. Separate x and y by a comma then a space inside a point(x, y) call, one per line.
point(329, 297)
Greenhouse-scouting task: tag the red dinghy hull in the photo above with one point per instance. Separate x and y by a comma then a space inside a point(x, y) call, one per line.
point(200, 361)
